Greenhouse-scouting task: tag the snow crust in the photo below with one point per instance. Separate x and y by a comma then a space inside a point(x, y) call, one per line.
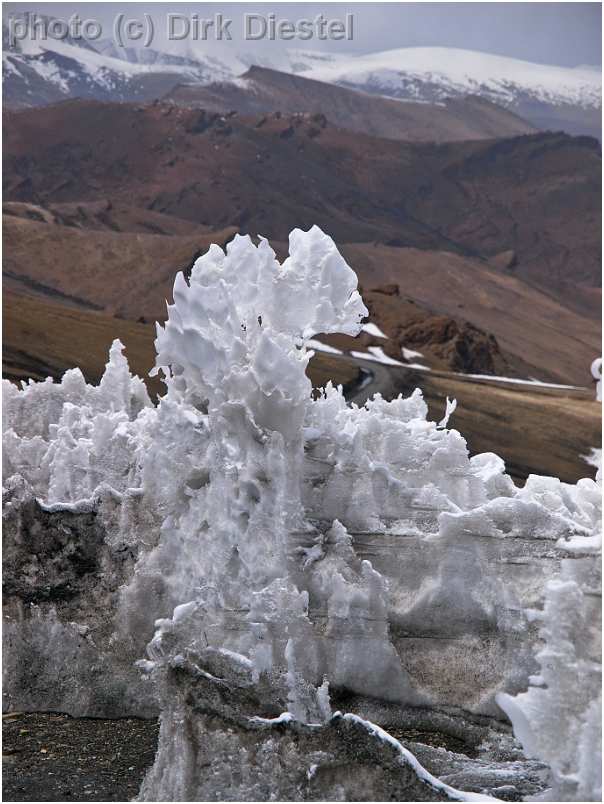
point(257, 499)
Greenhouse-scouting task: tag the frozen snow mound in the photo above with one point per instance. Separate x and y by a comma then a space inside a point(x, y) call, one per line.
point(246, 530)
point(213, 745)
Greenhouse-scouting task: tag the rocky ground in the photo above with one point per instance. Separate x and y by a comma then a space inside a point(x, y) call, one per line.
point(53, 757)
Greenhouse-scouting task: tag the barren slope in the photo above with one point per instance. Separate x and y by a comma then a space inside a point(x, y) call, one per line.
point(128, 274)
point(262, 90)
point(554, 341)
point(537, 196)
point(131, 275)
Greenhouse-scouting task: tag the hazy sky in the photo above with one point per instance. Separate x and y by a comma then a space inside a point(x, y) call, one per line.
point(552, 33)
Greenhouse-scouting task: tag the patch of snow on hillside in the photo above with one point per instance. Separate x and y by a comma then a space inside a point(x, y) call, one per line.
point(594, 457)
point(531, 381)
point(318, 346)
point(409, 354)
point(376, 353)
point(373, 330)
point(596, 373)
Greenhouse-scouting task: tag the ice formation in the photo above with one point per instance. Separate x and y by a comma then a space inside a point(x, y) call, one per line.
point(559, 718)
point(278, 553)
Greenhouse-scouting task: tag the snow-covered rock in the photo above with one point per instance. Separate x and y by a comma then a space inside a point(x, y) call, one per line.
point(39, 70)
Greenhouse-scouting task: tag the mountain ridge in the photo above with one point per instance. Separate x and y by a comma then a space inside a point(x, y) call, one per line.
point(263, 90)
point(547, 96)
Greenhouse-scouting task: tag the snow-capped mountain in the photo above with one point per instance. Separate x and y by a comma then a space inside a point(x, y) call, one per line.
point(434, 73)
point(547, 95)
point(36, 73)
point(550, 97)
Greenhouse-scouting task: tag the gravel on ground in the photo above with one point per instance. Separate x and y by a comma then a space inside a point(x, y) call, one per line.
point(54, 757)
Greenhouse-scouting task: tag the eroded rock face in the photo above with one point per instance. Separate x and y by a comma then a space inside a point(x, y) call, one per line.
point(452, 344)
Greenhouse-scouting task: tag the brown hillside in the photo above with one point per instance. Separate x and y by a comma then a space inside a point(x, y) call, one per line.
point(262, 91)
point(131, 275)
point(536, 195)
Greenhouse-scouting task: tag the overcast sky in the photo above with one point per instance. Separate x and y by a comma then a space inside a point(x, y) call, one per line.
point(551, 33)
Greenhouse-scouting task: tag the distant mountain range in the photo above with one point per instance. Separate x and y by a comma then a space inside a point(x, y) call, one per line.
point(548, 97)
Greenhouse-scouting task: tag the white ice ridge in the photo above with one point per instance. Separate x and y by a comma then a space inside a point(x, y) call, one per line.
point(252, 508)
point(405, 756)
